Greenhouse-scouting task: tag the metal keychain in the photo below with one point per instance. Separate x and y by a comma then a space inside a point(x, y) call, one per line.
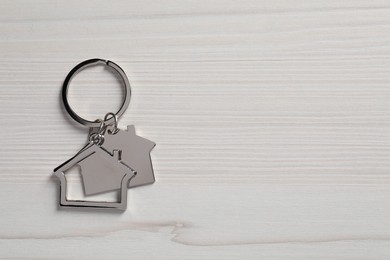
point(113, 159)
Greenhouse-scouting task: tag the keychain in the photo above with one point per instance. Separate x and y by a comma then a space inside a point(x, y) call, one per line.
point(113, 159)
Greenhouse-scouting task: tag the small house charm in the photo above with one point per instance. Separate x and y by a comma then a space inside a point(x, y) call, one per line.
point(135, 153)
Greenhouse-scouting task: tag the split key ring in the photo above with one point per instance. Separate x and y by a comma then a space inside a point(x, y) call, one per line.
point(80, 67)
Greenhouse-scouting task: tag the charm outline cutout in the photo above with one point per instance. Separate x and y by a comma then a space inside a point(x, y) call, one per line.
point(83, 154)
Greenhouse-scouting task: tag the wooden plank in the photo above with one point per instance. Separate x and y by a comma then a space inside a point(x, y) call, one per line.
point(204, 221)
point(270, 118)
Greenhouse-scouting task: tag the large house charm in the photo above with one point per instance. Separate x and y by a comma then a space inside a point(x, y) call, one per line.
point(121, 161)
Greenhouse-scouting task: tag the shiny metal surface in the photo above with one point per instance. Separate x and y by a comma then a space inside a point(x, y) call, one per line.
point(112, 156)
point(101, 171)
point(80, 67)
point(115, 130)
point(135, 152)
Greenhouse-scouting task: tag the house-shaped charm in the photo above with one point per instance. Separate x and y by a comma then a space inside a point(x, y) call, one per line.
point(135, 153)
point(101, 171)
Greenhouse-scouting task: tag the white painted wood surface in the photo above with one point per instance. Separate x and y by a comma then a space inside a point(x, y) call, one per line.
point(271, 118)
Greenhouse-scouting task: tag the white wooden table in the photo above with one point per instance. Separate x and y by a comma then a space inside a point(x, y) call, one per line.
point(271, 118)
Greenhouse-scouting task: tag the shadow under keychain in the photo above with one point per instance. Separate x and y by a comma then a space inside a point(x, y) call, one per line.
point(113, 159)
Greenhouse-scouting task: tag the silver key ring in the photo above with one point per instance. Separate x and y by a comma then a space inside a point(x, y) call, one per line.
point(80, 67)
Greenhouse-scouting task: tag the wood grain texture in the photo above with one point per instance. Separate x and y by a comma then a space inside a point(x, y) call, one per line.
point(271, 120)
